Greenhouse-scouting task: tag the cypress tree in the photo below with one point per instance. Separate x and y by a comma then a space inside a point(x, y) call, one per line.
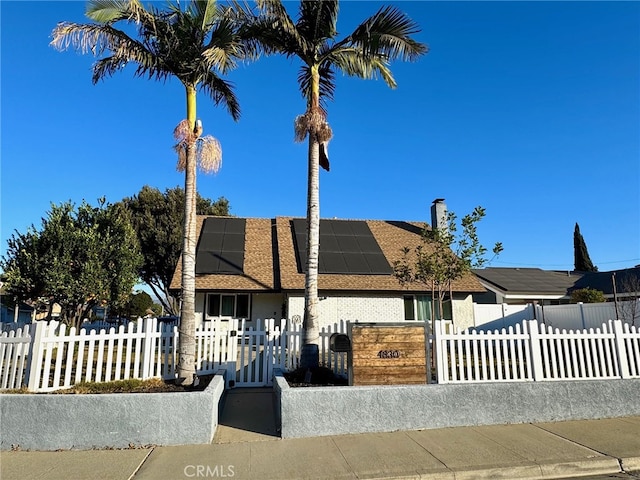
point(582, 262)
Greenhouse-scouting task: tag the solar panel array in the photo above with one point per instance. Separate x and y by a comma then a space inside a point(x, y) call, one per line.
point(346, 247)
point(221, 246)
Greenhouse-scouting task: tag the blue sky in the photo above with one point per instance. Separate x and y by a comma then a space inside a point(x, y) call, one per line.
point(530, 109)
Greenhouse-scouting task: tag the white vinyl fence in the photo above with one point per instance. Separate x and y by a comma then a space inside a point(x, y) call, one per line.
point(533, 351)
point(14, 350)
point(571, 316)
point(46, 356)
point(492, 316)
point(336, 361)
point(588, 315)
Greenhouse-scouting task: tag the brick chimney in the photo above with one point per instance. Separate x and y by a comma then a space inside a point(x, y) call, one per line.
point(439, 215)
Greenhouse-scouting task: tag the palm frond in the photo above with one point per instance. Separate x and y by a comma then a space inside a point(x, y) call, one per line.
point(327, 83)
point(196, 44)
point(112, 11)
point(205, 11)
point(318, 19)
point(99, 39)
point(388, 32)
point(225, 45)
point(221, 92)
point(351, 61)
point(274, 31)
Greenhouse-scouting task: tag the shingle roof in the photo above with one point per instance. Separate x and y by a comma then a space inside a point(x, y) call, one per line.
point(258, 262)
point(627, 281)
point(528, 280)
point(270, 261)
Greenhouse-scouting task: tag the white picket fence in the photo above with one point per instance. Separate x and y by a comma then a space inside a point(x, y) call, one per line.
point(46, 357)
point(336, 361)
point(536, 352)
point(14, 352)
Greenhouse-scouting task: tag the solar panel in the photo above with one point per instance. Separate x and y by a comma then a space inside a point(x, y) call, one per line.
point(346, 247)
point(221, 246)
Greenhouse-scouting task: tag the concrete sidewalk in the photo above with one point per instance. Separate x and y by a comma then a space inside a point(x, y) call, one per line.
point(531, 451)
point(247, 446)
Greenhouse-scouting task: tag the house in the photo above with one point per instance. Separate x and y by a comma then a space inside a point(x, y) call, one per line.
point(552, 287)
point(626, 281)
point(519, 286)
point(255, 268)
point(21, 314)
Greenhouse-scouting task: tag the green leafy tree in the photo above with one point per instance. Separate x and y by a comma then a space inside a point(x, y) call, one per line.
point(366, 53)
point(80, 258)
point(195, 42)
point(587, 295)
point(139, 305)
point(444, 256)
point(582, 261)
point(158, 218)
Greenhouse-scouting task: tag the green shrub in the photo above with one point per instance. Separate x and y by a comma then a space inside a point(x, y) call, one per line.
point(587, 295)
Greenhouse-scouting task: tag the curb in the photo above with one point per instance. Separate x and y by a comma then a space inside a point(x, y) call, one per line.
point(630, 464)
point(601, 466)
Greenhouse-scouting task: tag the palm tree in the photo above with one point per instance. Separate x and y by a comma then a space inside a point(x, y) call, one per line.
point(366, 53)
point(195, 44)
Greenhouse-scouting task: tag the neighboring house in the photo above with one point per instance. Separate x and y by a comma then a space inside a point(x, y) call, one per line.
point(254, 268)
point(519, 286)
point(23, 314)
point(627, 283)
point(551, 287)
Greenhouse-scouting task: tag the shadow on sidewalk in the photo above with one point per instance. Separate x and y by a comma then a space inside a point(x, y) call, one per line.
point(247, 415)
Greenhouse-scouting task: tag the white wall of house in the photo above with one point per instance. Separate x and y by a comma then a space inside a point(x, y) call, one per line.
point(378, 308)
point(200, 308)
point(333, 308)
point(266, 305)
point(363, 308)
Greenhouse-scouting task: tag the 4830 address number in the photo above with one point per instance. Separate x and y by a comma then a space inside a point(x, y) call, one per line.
point(389, 354)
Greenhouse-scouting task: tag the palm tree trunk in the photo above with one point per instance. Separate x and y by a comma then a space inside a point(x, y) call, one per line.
point(187, 341)
point(311, 336)
point(309, 356)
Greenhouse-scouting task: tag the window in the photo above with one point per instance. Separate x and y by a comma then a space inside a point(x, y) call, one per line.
point(418, 307)
point(229, 305)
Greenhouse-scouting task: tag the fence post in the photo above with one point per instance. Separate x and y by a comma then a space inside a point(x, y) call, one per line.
point(537, 372)
point(621, 350)
point(147, 344)
point(428, 350)
point(584, 325)
point(232, 351)
point(36, 351)
point(440, 361)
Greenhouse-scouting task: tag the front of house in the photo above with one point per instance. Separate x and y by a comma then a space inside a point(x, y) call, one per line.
point(254, 268)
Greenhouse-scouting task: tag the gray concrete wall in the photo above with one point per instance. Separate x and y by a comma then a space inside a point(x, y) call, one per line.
point(52, 422)
point(316, 411)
